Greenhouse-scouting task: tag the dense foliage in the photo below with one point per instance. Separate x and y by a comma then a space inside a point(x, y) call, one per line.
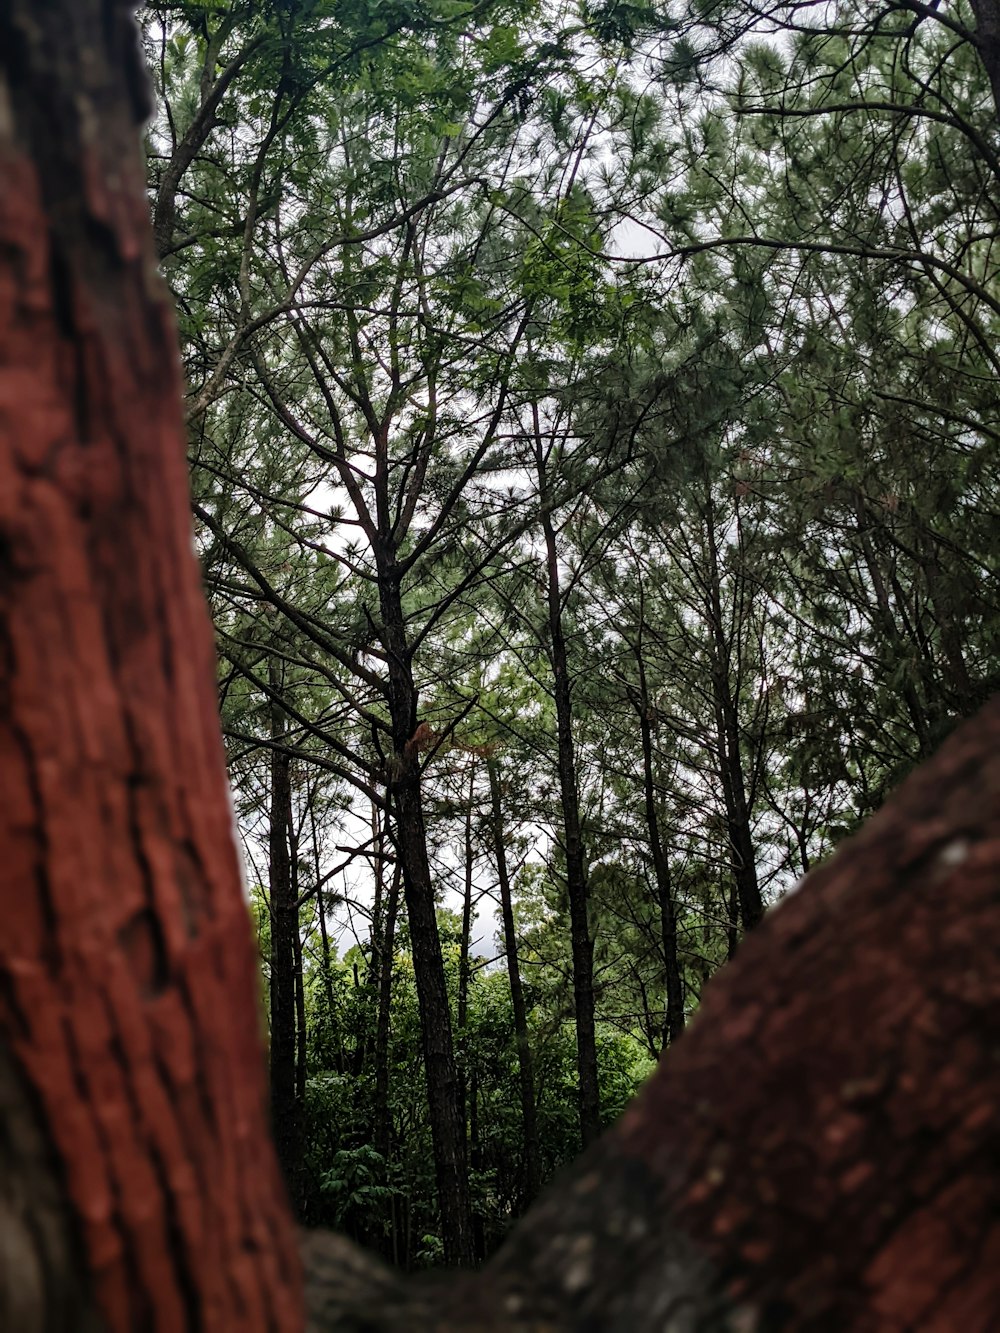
point(595, 457)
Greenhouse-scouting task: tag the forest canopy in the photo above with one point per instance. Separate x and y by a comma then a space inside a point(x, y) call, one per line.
point(593, 439)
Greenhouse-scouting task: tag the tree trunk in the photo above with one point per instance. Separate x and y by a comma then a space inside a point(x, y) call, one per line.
point(673, 1019)
point(818, 1155)
point(885, 622)
point(284, 979)
point(727, 725)
point(144, 1193)
point(468, 1083)
point(526, 1075)
point(447, 1120)
point(301, 1039)
point(987, 41)
point(378, 901)
point(465, 943)
point(446, 1113)
point(476, 1166)
point(383, 1115)
point(577, 890)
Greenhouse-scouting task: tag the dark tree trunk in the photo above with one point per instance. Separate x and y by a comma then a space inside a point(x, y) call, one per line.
point(526, 1076)
point(387, 945)
point(732, 907)
point(284, 955)
point(465, 950)
point(468, 1082)
point(378, 901)
point(465, 943)
point(673, 1020)
point(321, 909)
point(446, 1112)
point(987, 41)
point(885, 623)
point(447, 1120)
point(142, 1184)
point(301, 1044)
point(730, 751)
point(742, 854)
point(577, 889)
point(301, 1040)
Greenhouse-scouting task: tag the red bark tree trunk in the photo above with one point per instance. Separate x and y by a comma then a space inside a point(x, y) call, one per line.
point(130, 1035)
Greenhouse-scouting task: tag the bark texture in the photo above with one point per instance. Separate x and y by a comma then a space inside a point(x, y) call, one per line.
point(129, 1014)
point(820, 1150)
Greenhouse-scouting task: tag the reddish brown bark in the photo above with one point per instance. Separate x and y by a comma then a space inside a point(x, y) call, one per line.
point(128, 988)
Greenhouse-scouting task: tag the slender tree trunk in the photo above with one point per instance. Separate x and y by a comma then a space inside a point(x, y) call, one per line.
point(526, 1075)
point(731, 902)
point(730, 751)
point(383, 1116)
point(741, 844)
point(447, 1121)
point(465, 946)
point(373, 971)
point(577, 890)
point(468, 1084)
point(378, 901)
point(301, 1043)
point(673, 1019)
point(285, 1105)
point(382, 1111)
point(446, 1113)
point(142, 1192)
point(885, 622)
point(324, 934)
